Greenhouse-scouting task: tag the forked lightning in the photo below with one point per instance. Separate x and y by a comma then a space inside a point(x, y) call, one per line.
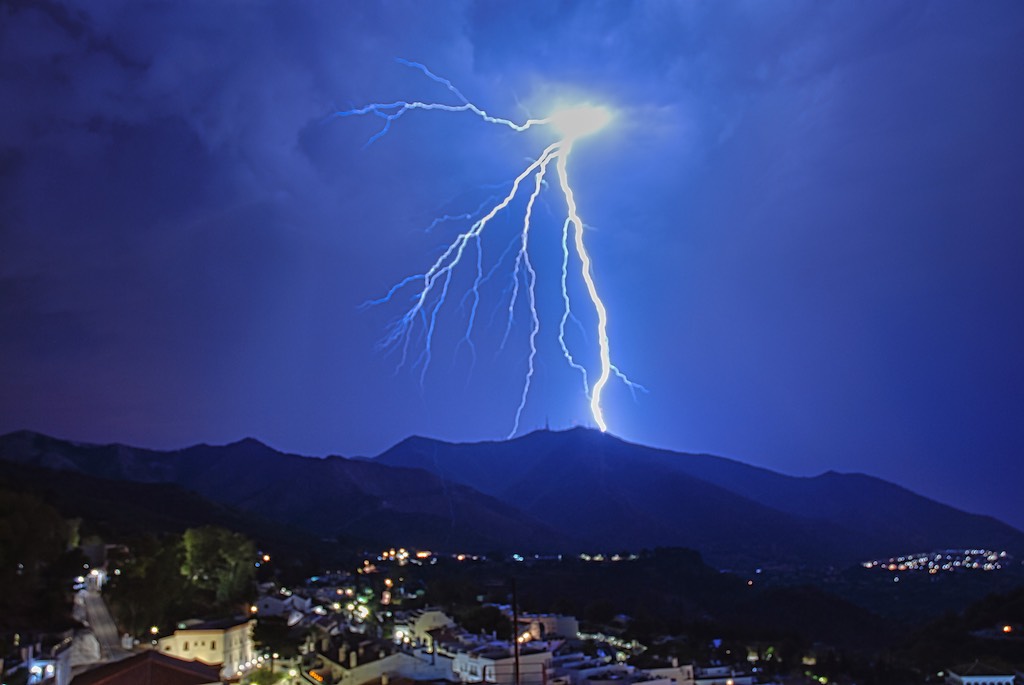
point(570, 124)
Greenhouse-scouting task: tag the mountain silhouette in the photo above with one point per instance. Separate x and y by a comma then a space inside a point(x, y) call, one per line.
point(548, 491)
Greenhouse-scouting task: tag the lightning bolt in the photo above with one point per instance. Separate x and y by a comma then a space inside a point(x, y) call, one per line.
point(420, 319)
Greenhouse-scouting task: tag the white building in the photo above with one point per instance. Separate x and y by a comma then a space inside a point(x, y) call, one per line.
point(543, 626)
point(417, 667)
point(293, 608)
point(722, 675)
point(227, 644)
point(50, 665)
point(418, 628)
point(495, 663)
point(677, 674)
point(579, 669)
point(352, 659)
point(632, 678)
point(573, 669)
point(978, 674)
point(274, 601)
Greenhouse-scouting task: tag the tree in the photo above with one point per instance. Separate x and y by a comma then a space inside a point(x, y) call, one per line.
point(33, 538)
point(151, 589)
point(264, 676)
point(219, 561)
point(487, 619)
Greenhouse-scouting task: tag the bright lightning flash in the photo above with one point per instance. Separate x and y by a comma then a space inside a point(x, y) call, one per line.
point(579, 121)
point(570, 124)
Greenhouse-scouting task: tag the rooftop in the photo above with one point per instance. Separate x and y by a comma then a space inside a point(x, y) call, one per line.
point(218, 624)
point(979, 668)
point(150, 668)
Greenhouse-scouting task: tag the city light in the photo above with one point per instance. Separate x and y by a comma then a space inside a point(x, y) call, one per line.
point(948, 560)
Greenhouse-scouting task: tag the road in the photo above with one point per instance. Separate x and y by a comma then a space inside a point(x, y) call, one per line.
point(103, 627)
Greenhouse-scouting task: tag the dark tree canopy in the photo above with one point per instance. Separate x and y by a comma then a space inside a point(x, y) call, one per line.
point(36, 567)
point(220, 561)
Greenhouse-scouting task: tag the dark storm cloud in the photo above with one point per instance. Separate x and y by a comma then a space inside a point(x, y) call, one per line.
point(149, 162)
point(805, 219)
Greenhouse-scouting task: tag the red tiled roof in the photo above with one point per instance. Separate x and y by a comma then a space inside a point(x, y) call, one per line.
point(150, 668)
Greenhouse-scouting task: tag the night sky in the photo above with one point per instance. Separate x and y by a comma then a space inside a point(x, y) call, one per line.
point(806, 220)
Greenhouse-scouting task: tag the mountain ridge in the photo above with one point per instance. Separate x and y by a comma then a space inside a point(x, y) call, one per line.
point(899, 520)
point(547, 491)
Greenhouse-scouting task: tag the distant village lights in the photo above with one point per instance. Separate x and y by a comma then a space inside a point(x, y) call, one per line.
point(948, 560)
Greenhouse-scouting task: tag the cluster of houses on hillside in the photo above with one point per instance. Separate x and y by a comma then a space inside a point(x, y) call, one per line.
point(426, 646)
point(339, 643)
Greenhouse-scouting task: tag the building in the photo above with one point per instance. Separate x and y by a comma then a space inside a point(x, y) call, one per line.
point(418, 628)
point(495, 663)
point(575, 668)
point(979, 674)
point(226, 643)
point(352, 659)
point(677, 674)
point(150, 668)
point(400, 665)
point(546, 626)
point(722, 675)
point(291, 607)
point(579, 669)
point(46, 661)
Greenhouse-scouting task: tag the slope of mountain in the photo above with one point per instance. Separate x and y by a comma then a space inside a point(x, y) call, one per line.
point(546, 491)
point(352, 499)
point(154, 507)
point(711, 503)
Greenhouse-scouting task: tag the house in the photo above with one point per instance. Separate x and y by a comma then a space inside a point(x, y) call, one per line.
point(544, 626)
point(579, 669)
point(677, 673)
point(401, 665)
point(46, 661)
point(979, 674)
point(150, 668)
point(575, 668)
point(495, 663)
point(352, 659)
point(722, 675)
point(292, 607)
point(419, 628)
point(227, 643)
